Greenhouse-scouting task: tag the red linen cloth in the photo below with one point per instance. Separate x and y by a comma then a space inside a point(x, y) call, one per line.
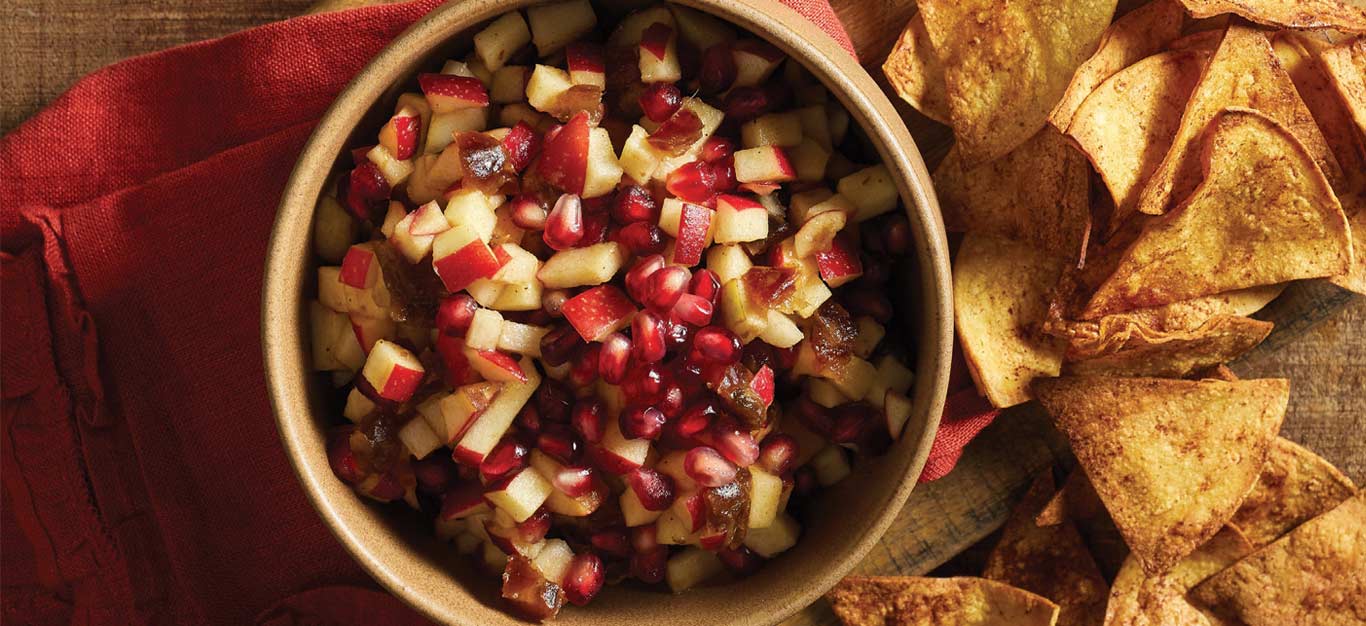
point(143, 480)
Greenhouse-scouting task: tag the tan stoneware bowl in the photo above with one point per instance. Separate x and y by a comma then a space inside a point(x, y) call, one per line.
point(399, 549)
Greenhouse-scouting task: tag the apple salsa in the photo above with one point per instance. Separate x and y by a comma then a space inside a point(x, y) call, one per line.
point(611, 309)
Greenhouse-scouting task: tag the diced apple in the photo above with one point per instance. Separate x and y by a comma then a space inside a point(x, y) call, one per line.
point(331, 289)
point(545, 88)
point(493, 422)
point(475, 209)
point(485, 328)
point(672, 465)
point(445, 125)
point(755, 61)
point(416, 102)
point(512, 114)
point(585, 64)
point(772, 129)
point(801, 203)
point(839, 122)
point(369, 330)
point(765, 164)
point(519, 297)
point(700, 29)
point(520, 268)
point(418, 438)
point(553, 560)
point(871, 190)
point(739, 219)
point(495, 366)
point(775, 538)
point(830, 465)
point(333, 230)
point(840, 262)
point(781, 331)
point(818, 233)
point(690, 567)
point(870, 333)
point(638, 159)
point(524, 339)
point(394, 170)
point(810, 291)
point(401, 133)
point(634, 512)
point(577, 267)
point(565, 154)
point(553, 26)
point(453, 67)
point(658, 61)
point(823, 393)
point(466, 503)
point(357, 406)
point(694, 234)
point(360, 268)
point(854, 379)
point(460, 256)
point(896, 408)
point(603, 170)
point(519, 494)
point(493, 558)
point(728, 262)
point(509, 84)
point(711, 120)
point(447, 92)
point(673, 528)
point(631, 29)
point(486, 292)
point(392, 371)
point(765, 494)
point(619, 455)
point(392, 217)
point(599, 312)
point(501, 39)
point(740, 313)
point(329, 331)
point(890, 375)
point(809, 159)
point(460, 409)
point(413, 247)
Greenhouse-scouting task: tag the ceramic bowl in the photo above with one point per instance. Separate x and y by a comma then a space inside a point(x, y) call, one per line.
point(399, 549)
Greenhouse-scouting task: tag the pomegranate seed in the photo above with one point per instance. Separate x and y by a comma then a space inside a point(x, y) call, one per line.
point(614, 358)
point(692, 182)
point(559, 345)
point(554, 400)
point(736, 445)
point(694, 310)
point(528, 212)
point(341, 457)
point(506, 457)
point(645, 538)
point(573, 481)
point(648, 567)
point(654, 490)
point(642, 238)
point(529, 419)
point(708, 467)
point(647, 337)
point(665, 286)
point(896, 237)
point(643, 385)
point(454, 314)
point(558, 441)
point(875, 271)
point(724, 171)
point(717, 148)
point(705, 283)
point(677, 336)
point(564, 224)
point(787, 357)
point(850, 421)
point(777, 453)
point(804, 482)
point(585, 368)
point(717, 344)
point(672, 401)
point(588, 419)
point(636, 284)
point(434, 473)
point(740, 560)
point(642, 423)
point(583, 578)
point(534, 528)
point(718, 69)
point(595, 227)
point(552, 301)
point(387, 489)
point(696, 419)
point(613, 541)
point(660, 100)
point(635, 204)
point(869, 302)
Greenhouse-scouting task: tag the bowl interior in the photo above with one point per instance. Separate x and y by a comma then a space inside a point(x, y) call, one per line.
point(397, 546)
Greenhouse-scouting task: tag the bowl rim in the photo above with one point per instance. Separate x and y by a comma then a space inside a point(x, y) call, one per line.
point(289, 253)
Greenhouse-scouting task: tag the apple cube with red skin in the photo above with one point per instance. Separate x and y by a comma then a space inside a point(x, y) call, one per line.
point(446, 92)
point(871, 190)
point(392, 371)
point(553, 26)
point(445, 125)
point(672, 465)
point(599, 312)
point(658, 60)
point(495, 366)
point(369, 330)
point(415, 101)
point(460, 257)
point(400, 134)
point(501, 39)
point(617, 454)
point(522, 144)
point(739, 219)
point(546, 88)
point(475, 209)
point(461, 408)
point(564, 155)
point(390, 167)
point(764, 164)
point(694, 234)
point(585, 64)
point(818, 233)
point(520, 493)
point(755, 61)
point(561, 502)
point(840, 262)
point(762, 385)
point(360, 268)
point(481, 436)
point(413, 247)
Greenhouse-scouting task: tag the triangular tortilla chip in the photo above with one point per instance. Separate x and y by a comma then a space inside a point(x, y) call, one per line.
point(1077, 501)
point(1207, 40)
point(1051, 561)
point(1300, 55)
point(1218, 372)
point(1294, 486)
point(1316, 574)
point(1000, 94)
point(1178, 354)
point(1304, 14)
point(999, 292)
point(915, 72)
point(1263, 215)
point(1355, 278)
point(1137, 599)
point(1036, 194)
point(1127, 125)
point(1171, 459)
point(1138, 34)
point(1346, 64)
point(913, 600)
point(1243, 72)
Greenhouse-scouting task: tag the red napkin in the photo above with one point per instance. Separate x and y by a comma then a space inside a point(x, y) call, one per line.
point(143, 479)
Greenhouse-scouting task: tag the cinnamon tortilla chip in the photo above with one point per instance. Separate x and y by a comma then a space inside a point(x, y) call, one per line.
point(999, 292)
point(1077, 501)
point(1138, 599)
point(1301, 57)
point(1171, 459)
point(1295, 485)
point(1314, 575)
point(1243, 72)
point(1304, 14)
point(1177, 355)
point(1127, 124)
point(915, 72)
point(1207, 40)
point(1090, 339)
point(1355, 278)
point(1346, 64)
point(1263, 215)
point(1051, 561)
point(1137, 34)
point(1000, 94)
point(913, 600)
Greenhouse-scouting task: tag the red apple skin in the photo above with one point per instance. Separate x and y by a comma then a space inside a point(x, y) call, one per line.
point(762, 384)
point(466, 265)
point(564, 157)
point(457, 365)
point(355, 267)
point(522, 144)
point(739, 203)
point(693, 223)
point(401, 384)
point(839, 263)
point(598, 312)
point(697, 511)
point(584, 57)
point(655, 39)
point(464, 88)
point(466, 456)
point(611, 461)
point(366, 190)
point(761, 189)
point(461, 500)
point(504, 362)
point(406, 130)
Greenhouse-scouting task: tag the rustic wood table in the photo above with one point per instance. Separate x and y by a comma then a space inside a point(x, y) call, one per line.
point(1319, 343)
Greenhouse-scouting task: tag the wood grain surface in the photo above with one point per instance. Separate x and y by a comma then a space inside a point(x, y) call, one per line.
point(1319, 343)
